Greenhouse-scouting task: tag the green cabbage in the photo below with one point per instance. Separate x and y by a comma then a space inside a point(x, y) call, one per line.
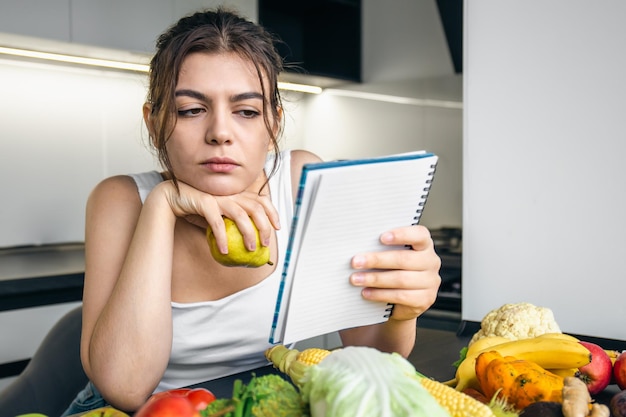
point(364, 382)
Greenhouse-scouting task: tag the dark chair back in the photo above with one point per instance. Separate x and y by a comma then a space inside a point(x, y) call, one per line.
point(53, 376)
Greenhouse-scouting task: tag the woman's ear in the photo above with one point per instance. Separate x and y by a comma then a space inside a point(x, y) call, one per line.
point(147, 118)
point(276, 127)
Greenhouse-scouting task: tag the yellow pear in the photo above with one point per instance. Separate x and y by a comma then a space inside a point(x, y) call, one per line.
point(238, 254)
point(32, 415)
point(106, 411)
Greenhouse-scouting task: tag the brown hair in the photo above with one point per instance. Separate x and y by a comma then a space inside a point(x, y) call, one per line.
point(218, 31)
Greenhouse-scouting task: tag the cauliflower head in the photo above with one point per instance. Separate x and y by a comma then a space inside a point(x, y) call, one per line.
point(517, 321)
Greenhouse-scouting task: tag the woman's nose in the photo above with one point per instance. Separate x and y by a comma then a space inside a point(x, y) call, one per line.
point(220, 130)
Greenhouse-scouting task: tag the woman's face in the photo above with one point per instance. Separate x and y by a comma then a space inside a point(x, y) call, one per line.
point(220, 141)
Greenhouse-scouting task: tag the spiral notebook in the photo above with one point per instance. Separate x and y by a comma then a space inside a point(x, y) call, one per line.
point(341, 209)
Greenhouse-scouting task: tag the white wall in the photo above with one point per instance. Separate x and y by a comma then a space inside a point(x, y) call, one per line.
point(544, 176)
point(343, 128)
point(62, 131)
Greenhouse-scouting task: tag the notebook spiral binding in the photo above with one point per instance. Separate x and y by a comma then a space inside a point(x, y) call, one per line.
point(422, 203)
point(388, 310)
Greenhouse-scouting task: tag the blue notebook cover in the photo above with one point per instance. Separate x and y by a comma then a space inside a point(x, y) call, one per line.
point(341, 209)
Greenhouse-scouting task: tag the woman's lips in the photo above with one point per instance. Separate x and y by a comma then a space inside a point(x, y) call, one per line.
point(221, 165)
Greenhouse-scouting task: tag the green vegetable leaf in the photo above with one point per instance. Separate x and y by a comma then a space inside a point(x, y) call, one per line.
point(462, 356)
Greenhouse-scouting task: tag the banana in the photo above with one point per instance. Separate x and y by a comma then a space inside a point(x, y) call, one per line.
point(478, 346)
point(547, 352)
point(564, 336)
point(564, 372)
point(613, 354)
point(484, 343)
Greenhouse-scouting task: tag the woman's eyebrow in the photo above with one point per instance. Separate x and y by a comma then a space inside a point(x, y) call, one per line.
point(252, 95)
point(246, 96)
point(191, 93)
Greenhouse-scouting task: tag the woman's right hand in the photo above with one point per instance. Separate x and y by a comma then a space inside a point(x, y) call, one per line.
point(206, 210)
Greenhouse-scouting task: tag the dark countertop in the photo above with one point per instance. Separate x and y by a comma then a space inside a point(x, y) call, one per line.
point(33, 276)
point(433, 355)
point(41, 275)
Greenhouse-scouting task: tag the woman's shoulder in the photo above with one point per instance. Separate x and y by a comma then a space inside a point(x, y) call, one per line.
point(300, 157)
point(117, 188)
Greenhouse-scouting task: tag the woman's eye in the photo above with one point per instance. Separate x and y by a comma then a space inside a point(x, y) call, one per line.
point(190, 112)
point(249, 114)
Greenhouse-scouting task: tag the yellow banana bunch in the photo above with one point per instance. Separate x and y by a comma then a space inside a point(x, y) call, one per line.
point(550, 351)
point(484, 343)
point(613, 354)
point(564, 372)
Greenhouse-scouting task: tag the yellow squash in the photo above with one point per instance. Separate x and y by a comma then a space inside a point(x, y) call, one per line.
point(519, 382)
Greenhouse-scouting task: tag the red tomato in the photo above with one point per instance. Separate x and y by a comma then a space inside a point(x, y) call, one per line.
point(200, 398)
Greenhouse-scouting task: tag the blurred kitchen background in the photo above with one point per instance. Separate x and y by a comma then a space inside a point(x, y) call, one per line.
point(394, 83)
point(529, 128)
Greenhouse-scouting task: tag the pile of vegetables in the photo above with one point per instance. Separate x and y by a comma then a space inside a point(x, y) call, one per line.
point(520, 357)
point(508, 370)
point(362, 381)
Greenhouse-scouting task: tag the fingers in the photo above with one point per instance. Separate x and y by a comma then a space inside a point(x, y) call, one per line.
point(406, 275)
point(422, 256)
point(411, 292)
point(246, 209)
point(397, 279)
point(418, 237)
point(205, 210)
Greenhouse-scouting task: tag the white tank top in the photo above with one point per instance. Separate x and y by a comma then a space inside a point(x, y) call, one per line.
point(218, 338)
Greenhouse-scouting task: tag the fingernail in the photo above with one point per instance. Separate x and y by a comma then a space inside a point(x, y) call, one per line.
point(386, 237)
point(358, 279)
point(358, 261)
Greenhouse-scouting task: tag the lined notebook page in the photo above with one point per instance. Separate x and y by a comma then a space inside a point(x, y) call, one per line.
point(342, 208)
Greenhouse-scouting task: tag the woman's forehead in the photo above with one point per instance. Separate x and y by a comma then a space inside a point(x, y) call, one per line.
point(219, 68)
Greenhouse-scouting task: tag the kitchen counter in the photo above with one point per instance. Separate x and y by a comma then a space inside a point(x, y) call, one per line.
point(49, 274)
point(41, 275)
point(433, 355)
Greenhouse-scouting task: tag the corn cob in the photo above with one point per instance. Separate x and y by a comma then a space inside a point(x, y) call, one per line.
point(294, 362)
point(456, 403)
point(312, 356)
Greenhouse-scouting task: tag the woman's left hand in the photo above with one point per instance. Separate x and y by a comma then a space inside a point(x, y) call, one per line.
point(409, 279)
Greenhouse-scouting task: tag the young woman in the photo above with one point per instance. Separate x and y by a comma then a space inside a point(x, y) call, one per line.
point(158, 311)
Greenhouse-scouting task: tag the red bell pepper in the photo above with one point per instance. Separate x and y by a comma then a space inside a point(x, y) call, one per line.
point(182, 402)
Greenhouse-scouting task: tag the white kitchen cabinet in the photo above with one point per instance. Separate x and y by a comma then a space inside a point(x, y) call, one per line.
point(130, 25)
point(120, 24)
point(49, 19)
point(135, 25)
